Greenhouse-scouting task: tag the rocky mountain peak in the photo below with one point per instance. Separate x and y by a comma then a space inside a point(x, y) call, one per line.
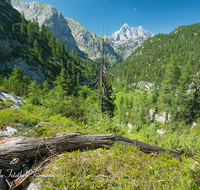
point(125, 26)
point(127, 32)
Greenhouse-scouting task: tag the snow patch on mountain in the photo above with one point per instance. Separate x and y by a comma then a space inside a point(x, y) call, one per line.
point(127, 32)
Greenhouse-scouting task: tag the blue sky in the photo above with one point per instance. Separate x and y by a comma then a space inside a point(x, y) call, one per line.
point(157, 16)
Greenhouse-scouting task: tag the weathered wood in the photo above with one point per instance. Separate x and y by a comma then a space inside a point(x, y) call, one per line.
point(23, 147)
point(5, 164)
point(23, 181)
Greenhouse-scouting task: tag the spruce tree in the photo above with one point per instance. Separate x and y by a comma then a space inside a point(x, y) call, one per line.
point(65, 82)
point(47, 85)
point(34, 93)
point(68, 65)
point(40, 57)
point(74, 75)
point(66, 48)
point(183, 97)
point(169, 86)
point(109, 98)
point(43, 29)
point(154, 92)
point(16, 81)
point(195, 102)
point(62, 63)
point(30, 30)
point(36, 47)
point(78, 79)
point(72, 53)
point(121, 110)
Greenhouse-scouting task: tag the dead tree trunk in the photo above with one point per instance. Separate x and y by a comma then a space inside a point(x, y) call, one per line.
point(22, 147)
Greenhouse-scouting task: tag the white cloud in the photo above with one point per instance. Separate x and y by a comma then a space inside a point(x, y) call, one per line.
point(135, 9)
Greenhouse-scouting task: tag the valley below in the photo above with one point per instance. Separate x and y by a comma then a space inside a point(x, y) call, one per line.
point(79, 114)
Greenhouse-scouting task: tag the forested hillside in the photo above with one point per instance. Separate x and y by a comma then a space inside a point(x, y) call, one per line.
point(149, 62)
point(36, 50)
point(169, 64)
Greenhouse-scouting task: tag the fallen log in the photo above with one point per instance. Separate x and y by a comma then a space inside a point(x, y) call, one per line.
point(7, 165)
point(22, 147)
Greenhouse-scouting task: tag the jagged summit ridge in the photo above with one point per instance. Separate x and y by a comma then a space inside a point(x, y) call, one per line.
point(121, 43)
point(89, 43)
point(127, 32)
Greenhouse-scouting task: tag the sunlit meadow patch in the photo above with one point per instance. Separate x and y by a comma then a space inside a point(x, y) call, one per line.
point(118, 168)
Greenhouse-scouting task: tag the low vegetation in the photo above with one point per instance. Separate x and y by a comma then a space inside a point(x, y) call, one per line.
point(63, 104)
point(120, 167)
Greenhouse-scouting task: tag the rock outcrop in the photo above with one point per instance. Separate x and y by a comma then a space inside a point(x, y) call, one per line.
point(124, 48)
point(90, 43)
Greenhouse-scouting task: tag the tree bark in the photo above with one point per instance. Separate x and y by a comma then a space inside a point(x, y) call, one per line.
point(22, 147)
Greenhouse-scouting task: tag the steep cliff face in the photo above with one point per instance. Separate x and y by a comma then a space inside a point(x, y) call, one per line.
point(124, 48)
point(51, 17)
point(89, 43)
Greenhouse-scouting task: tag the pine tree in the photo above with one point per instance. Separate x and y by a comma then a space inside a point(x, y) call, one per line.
point(34, 93)
point(67, 49)
point(30, 31)
point(68, 65)
point(43, 29)
point(47, 85)
point(195, 102)
point(40, 57)
point(142, 111)
point(36, 47)
point(61, 63)
point(154, 92)
point(126, 84)
point(72, 53)
point(109, 98)
point(78, 79)
point(169, 86)
point(65, 82)
point(13, 28)
point(2, 30)
point(73, 74)
point(23, 23)
point(121, 110)
point(22, 29)
point(25, 85)
point(184, 100)
point(16, 81)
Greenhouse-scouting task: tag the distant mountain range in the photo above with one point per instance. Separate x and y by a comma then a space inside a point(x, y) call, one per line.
point(86, 44)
